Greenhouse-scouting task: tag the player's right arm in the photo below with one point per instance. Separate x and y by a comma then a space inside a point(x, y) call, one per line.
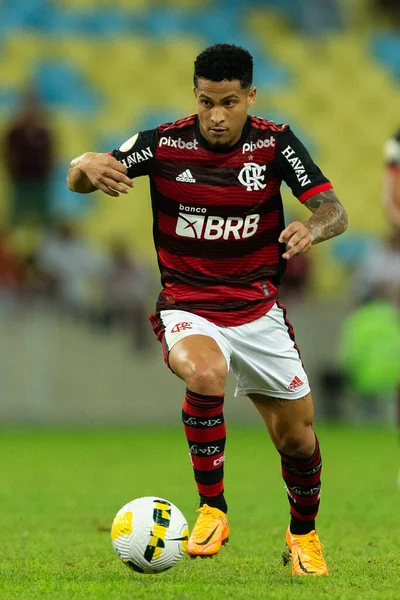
point(98, 171)
point(112, 172)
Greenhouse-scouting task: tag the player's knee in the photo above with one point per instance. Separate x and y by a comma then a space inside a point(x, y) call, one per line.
point(205, 378)
point(298, 442)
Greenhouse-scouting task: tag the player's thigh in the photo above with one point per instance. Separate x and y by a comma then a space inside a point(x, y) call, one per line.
point(196, 351)
point(198, 355)
point(289, 422)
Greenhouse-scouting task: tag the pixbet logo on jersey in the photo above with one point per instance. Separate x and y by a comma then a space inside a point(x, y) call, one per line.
point(179, 143)
point(213, 227)
point(251, 146)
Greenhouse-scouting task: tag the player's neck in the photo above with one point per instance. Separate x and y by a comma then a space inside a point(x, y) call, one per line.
point(223, 149)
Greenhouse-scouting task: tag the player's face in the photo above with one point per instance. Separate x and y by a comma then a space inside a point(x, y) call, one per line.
point(222, 108)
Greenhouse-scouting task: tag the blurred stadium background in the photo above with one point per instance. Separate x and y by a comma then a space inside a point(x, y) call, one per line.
point(106, 70)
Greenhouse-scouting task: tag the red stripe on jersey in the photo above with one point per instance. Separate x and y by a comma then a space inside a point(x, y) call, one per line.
point(216, 293)
point(220, 267)
point(227, 196)
point(316, 190)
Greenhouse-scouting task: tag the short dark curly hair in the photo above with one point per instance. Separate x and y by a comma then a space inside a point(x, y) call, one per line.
point(224, 62)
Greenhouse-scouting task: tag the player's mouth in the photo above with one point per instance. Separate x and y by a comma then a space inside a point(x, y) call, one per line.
point(218, 131)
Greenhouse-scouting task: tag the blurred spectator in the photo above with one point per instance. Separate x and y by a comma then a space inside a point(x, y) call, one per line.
point(379, 270)
point(73, 268)
point(127, 290)
point(391, 201)
point(391, 187)
point(294, 282)
point(29, 157)
point(11, 270)
point(370, 353)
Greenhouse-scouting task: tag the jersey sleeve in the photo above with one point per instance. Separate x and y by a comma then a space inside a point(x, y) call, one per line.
point(294, 165)
point(392, 151)
point(138, 153)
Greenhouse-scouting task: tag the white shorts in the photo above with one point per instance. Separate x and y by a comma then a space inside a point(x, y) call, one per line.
point(262, 354)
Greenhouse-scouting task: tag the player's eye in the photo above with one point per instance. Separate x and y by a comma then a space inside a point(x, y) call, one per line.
point(206, 103)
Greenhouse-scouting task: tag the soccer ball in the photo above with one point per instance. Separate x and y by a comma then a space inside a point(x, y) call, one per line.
point(149, 534)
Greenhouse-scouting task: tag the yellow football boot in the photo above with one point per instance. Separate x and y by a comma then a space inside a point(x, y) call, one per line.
point(210, 532)
point(306, 553)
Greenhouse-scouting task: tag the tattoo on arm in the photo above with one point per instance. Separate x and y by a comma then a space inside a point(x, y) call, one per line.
point(329, 217)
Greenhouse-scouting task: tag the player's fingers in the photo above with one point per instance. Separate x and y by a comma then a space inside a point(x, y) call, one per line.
point(121, 168)
point(121, 178)
point(114, 185)
point(300, 248)
point(104, 188)
point(296, 239)
point(118, 166)
point(287, 233)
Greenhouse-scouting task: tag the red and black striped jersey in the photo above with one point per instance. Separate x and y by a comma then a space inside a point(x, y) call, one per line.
point(218, 214)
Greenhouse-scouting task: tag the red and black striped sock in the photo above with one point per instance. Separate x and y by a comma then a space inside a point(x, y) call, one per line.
point(303, 484)
point(205, 431)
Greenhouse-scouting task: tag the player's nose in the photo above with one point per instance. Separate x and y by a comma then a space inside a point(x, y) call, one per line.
point(217, 116)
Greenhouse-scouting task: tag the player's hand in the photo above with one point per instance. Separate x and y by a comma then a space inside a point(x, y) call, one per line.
point(298, 239)
point(106, 173)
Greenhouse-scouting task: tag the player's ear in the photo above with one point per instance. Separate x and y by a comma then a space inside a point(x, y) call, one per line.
point(251, 96)
point(194, 91)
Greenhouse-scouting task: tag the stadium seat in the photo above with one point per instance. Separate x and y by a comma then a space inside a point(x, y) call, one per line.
point(60, 84)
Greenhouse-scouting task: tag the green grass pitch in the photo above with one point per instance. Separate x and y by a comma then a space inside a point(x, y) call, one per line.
point(60, 491)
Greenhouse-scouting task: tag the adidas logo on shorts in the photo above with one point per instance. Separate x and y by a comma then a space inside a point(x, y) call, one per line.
point(186, 177)
point(296, 383)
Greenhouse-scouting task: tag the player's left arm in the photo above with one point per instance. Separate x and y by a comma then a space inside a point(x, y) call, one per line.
point(328, 219)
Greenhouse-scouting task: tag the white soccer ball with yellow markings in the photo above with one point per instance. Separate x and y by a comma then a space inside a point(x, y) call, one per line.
point(149, 534)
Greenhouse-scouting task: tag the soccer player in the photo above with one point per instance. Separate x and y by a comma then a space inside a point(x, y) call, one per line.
point(222, 246)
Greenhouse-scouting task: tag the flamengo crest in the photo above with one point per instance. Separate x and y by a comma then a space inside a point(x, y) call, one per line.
point(252, 175)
